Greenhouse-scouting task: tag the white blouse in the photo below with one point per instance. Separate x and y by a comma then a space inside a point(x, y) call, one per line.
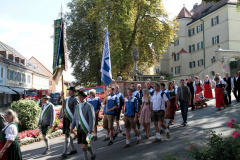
point(11, 132)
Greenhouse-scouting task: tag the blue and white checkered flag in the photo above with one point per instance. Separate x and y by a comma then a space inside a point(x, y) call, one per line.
point(106, 76)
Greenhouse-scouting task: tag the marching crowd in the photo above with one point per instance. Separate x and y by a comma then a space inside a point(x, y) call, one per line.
point(141, 106)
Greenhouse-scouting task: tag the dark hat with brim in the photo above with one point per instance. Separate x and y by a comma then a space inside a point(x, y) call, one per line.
point(72, 89)
point(45, 96)
point(81, 93)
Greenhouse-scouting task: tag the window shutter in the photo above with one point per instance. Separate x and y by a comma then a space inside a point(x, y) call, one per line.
point(212, 21)
point(189, 49)
point(175, 70)
point(198, 62)
point(201, 27)
point(197, 46)
point(194, 64)
point(212, 40)
point(174, 57)
point(193, 31)
point(217, 20)
point(194, 47)
point(218, 39)
point(202, 44)
point(197, 29)
point(189, 32)
point(178, 42)
point(190, 66)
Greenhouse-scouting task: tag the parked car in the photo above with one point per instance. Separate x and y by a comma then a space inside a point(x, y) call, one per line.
point(53, 97)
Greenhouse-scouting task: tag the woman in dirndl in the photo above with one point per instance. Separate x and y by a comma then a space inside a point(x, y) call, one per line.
point(197, 85)
point(220, 85)
point(207, 88)
point(146, 111)
point(170, 111)
point(9, 145)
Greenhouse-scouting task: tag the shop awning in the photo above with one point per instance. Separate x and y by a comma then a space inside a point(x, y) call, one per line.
point(19, 90)
point(6, 90)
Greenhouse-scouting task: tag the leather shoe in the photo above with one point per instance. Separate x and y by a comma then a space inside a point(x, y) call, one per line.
point(126, 146)
point(72, 152)
point(63, 156)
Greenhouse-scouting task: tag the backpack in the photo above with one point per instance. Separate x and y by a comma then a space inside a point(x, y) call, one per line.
point(167, 94)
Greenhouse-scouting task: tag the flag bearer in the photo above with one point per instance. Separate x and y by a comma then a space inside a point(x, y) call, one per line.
point(83, 120)
point(69, 108)
point(46, 120)
point(96, 103)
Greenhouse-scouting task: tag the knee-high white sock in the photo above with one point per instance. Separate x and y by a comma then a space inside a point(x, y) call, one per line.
point(66, 144)
point(71, 144)
point(47, 143)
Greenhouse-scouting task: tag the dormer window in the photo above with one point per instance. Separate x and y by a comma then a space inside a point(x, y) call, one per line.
point(13, 58)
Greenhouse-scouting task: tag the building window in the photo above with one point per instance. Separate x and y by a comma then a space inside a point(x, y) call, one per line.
point(171, 69)
point(213, 59)
point(50, 82)
point(191, 32)
point(215, 21)
point(177, 70)
point(29, 79)
point(191, 48)
point(200, 28)
point(200, 63)
point(157, 71)
point(1, 72)
point(176, 42)
point(176, 57)
point(192, 64)
point(200, 45)
point(215, 40)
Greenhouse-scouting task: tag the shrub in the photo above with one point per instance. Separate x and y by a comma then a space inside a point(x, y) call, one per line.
point(218, 147)
point(28, 113)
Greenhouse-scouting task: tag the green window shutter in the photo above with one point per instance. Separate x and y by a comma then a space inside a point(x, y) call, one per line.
point(194, 64)
point(198, 62)
point(218, 39)
point(212, 21)
point(189, 32)
point(217, 20)
point(197, 46)
point(190, 65)
point(190, 49)
point(194, 47)
point(193, 31)
point(201, 27)
point(212, 40)
point(202, 44)
point(174, 57)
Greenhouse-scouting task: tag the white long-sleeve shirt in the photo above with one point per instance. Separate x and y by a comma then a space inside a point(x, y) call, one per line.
point(11, 132)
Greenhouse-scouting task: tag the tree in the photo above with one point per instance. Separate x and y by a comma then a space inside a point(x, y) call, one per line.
point(139, 23)
point(85, 42)
point(216, 1)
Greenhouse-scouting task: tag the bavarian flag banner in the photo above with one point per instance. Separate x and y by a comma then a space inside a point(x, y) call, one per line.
point(60, 57)
point(106, 75)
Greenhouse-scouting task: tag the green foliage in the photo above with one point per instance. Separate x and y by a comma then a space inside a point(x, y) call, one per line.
point(28, 113)
point(216, 148)
point(233, 64)
point(85, 39)
point(143, 24)
point(169, 156)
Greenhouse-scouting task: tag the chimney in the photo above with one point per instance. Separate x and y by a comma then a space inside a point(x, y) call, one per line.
point(23, 61)
point(195, 5)
point(18, 60)
point(4, 54)
point(11, 57)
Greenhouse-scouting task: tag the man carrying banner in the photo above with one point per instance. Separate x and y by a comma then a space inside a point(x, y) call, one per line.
point(96, 103)
point(46, 121)
point(83, 120)
point(69, 108)
point(110, 109)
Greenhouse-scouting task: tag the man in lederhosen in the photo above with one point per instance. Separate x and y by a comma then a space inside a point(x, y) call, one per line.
point(46, 120)
point(236, 86)
point(70, 104)
point(84, 119)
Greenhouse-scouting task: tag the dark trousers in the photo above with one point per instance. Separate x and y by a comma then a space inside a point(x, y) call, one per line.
point(184, 110)
point(192, 103)
point(227, 99)
point(236, 93)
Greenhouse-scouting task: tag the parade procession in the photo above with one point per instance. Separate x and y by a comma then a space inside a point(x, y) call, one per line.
point(120, 80)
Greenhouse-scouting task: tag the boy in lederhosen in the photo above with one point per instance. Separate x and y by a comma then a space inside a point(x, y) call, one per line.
point(46, 120)
point(70, 104)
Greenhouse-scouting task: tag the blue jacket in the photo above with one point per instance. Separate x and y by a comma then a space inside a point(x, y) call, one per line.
point(121, 100)
point(131, 106)
point(112, 101)
point(95, 102)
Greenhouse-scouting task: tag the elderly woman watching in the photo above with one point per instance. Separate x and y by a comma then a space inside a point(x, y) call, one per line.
point(10, 149)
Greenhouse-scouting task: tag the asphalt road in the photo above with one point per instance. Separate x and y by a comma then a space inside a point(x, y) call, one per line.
point(199, 121)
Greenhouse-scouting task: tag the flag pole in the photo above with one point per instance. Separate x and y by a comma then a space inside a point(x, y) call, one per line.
point(62, 97)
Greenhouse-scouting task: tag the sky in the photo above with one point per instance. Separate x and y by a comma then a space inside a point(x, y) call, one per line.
point(27, 26)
